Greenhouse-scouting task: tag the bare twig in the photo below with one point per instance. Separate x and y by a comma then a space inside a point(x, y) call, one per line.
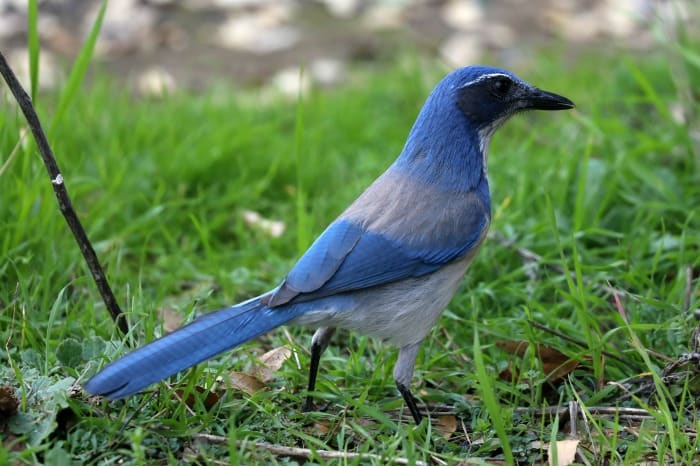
point(562, 411)
point(573, 416)
point(64, 202)
point(628, 413)
point(306, 453)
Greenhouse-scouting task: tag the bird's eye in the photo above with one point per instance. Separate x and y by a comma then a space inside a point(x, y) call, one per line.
point(500, 86)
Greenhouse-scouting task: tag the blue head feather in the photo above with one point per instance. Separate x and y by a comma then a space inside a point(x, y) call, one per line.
point(448, 142)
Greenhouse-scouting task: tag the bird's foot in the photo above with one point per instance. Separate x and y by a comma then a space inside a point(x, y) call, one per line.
point(309, 405)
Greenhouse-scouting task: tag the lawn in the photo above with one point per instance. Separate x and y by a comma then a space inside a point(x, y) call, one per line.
point(593, 258)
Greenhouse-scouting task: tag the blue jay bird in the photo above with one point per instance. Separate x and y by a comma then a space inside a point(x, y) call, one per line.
point(386, 267)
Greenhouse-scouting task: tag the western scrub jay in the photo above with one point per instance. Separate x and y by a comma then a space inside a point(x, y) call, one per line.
point(390, 263)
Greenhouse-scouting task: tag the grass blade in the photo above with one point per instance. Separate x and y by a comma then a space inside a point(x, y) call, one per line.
point(33, 39)
point(78, 71)
point(303, 226)
point(488, 395)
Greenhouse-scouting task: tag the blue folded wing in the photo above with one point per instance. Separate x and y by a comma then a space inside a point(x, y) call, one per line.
point(348, 257)
point(325, 256)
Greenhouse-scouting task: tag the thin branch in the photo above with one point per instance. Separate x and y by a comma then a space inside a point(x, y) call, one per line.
point(446, 410)
point(306, 453)
point(64, 202)
point(629, 413)
point(573, 415)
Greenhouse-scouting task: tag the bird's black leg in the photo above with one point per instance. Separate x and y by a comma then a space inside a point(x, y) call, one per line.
point(410, 402)
point(403, 372)
point(319, 343)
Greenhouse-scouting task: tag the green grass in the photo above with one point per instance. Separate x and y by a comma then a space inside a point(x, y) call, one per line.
point(607, 195)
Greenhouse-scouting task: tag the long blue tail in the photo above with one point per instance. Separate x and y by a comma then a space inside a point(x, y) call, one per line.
point(202, 339)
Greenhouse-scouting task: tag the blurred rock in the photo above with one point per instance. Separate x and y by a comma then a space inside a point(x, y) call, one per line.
point(342, 8)
point(49, 74)
point(327, 71)
point(127, 27)
point(463, 14)
point(500, 35)
point(156, 82)
point(251, 40)
point(19, 6)
point(173, 36)
point(242, 4)
point(621, 18)
point(291, 82)
point(62, 39)
point(11, 24)
point(607, 18)
point(261, 31)
point(462, 49)
point(384, 16)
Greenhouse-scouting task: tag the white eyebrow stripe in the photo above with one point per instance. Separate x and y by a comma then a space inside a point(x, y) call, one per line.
point(485, 76)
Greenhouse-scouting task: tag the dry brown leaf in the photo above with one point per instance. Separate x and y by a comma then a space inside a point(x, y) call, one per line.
point(566, 452)
point(246, 382)
point(211, 399)
point(559, 371)
point(9, 403)
point(322, 426)
point(507, 375)
point(272, 361)
point(171, 319)
point(446, 425)
point(514, 347)
point(555, 364)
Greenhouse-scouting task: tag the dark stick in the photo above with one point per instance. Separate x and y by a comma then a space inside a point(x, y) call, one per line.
point(64, 202)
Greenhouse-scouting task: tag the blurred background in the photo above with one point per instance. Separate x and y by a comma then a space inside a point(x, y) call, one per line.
point(159, 45)
point(200, 176)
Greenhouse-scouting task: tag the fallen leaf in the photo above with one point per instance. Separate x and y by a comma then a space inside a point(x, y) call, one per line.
point(8, 401)
point(322, 426)
point(566, 452)
point(210, 400)
point(171, 319)
point(514, 347)
point(156, 82)
point(246, 382)
point(555, 364)
point(272, 362)
point(507, 374)
point(446, 425)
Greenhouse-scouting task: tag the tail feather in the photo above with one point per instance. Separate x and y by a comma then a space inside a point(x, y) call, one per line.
point(202, 339)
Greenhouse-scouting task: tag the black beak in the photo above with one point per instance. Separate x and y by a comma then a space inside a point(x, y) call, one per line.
point(537, 99)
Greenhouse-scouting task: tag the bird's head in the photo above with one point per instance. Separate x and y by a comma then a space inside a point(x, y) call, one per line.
point(487, 96)
point(460, 116)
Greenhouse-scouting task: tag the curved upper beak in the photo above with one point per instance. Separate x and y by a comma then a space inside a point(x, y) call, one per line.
point(537, 99)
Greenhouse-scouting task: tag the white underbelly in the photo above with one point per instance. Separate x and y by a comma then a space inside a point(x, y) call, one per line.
point(401, 313)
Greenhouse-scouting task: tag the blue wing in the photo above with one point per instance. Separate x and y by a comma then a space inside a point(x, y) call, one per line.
point(349, 257)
